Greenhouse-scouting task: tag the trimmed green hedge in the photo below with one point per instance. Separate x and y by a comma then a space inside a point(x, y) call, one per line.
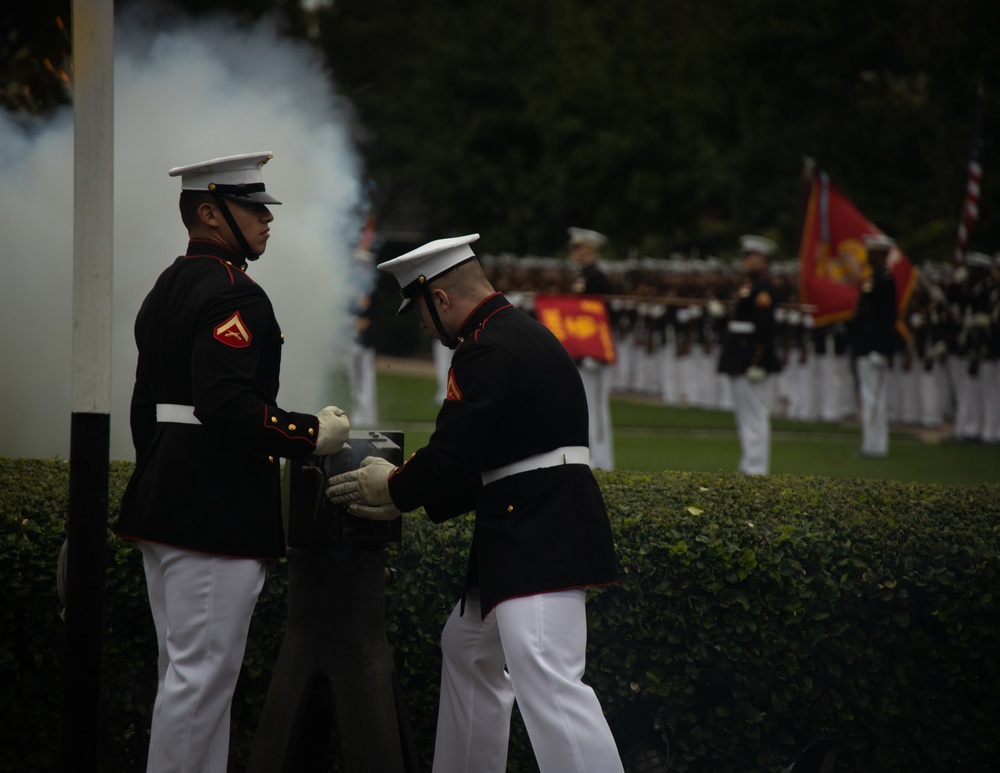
point(754, 615)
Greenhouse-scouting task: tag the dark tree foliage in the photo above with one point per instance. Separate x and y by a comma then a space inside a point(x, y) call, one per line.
point(670, 125)
point(34, 55)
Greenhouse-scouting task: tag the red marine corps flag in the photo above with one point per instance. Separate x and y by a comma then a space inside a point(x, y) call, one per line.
point(832, 257)
point(580, 322)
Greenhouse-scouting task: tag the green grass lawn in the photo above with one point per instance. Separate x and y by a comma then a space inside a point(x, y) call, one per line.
point(653, 438)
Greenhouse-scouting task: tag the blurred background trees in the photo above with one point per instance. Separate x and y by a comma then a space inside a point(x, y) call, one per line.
point(670, 125)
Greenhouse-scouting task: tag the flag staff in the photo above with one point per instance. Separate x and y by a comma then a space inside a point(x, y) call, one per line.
point(970, 206)
point(806, 186)
point(86, 527)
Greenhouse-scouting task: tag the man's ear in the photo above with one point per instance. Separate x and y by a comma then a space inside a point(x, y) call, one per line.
point(208, 215)
point(441, 299)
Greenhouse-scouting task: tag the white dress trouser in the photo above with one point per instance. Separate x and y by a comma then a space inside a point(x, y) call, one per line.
point(752, 408)
point(968, 402)
point(931, 406)
point(836, 384)
point(909, 393)
point(442, 366)
point(873, 386)
point(990, 370)
point(361, 374)
point(806, 399)
point(532, 649)
point(597, 384)
point(201, 605)
point(622, 369)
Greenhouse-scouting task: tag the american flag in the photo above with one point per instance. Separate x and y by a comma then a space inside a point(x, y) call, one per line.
point(970, 209)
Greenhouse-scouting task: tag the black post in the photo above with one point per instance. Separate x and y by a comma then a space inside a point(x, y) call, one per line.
point(87, 533)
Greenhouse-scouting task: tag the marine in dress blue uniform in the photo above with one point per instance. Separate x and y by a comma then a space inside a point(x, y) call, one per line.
point(874, 339)
point(204, 501)
point(585, 250)
point(510, 443)
point(749, 355)
point(361, 356)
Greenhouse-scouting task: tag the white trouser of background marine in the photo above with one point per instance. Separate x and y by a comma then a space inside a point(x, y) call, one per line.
point(596, 378)
point(532, 649)
point(201, 605)
point(873, 388)
point(968, 400)
point(442, 365)
point(361, 374)
point(991, 401)
point(752, 408)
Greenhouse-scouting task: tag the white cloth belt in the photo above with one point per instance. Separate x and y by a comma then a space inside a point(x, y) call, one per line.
point(175, 414)
point(553, 458)
point(737, 326)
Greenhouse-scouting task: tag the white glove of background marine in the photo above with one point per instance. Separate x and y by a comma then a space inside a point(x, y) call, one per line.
point(878, 359)
point(365, 490)
point(334, 427)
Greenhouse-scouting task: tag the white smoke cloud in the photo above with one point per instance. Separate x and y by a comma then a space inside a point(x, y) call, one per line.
point(185, 91)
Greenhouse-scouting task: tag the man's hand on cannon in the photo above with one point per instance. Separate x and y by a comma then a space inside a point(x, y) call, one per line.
point(386, 512)
point(365, 491)
point(334, 427)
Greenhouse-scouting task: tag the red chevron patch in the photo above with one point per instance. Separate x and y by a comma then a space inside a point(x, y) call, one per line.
point(453, 393)
point(233, 332)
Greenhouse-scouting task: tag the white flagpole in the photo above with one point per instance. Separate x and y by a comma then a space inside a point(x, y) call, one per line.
point(87, 524)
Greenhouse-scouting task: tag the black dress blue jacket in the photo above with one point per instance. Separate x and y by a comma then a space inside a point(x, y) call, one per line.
point(513, 392)
point(742, 350)
point(208, 338)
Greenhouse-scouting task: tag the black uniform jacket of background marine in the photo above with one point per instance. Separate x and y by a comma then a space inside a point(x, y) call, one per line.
point(513, 392)
point(207, 337)
point(750, 342)
point(594, 281)
point(873, 327)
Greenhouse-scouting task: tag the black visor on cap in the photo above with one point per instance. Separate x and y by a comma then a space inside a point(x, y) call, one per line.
point(246, 192)
point(413, 288)
point(408, 293)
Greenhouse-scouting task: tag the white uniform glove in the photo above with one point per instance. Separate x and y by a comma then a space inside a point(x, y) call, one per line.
point(333, 430)
point(387, 512)
point(367, 485)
